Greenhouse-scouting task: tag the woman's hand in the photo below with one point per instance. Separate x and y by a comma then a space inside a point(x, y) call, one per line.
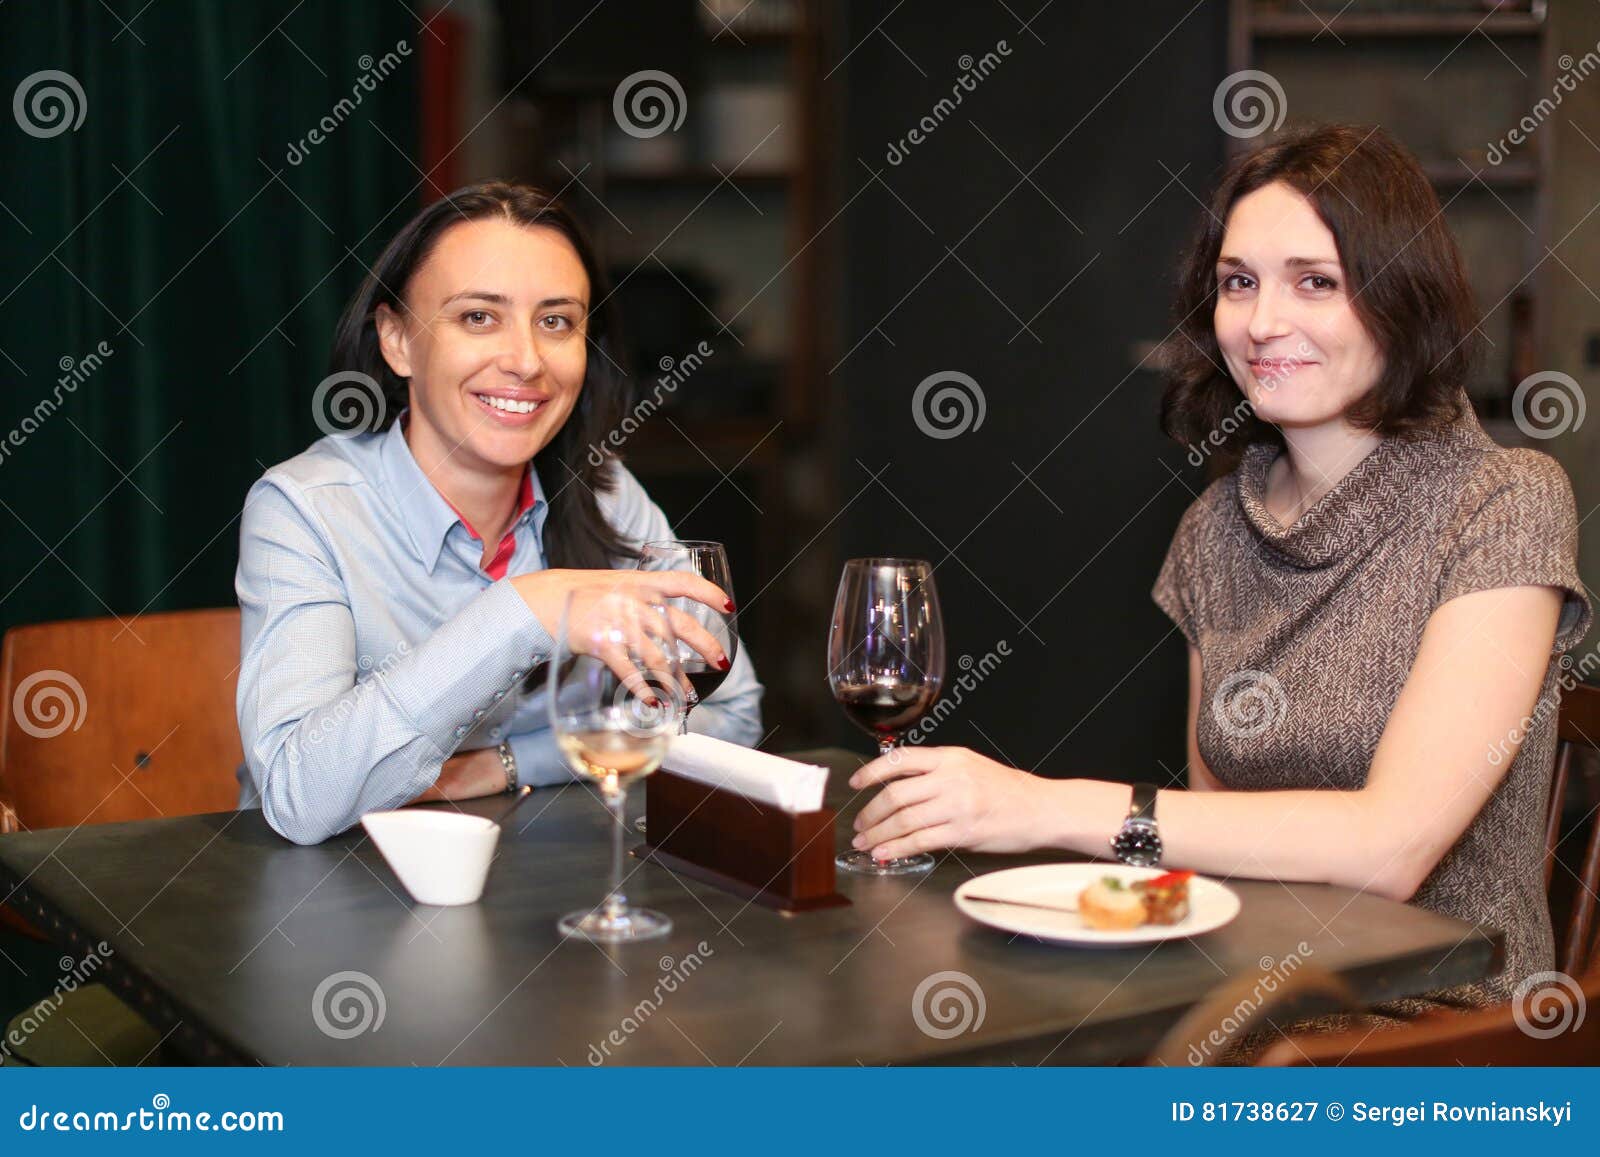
point(546, 593)
point(949, 797)
point(467, 776)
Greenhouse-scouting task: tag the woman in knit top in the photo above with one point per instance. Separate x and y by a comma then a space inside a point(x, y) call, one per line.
point(1375, 598)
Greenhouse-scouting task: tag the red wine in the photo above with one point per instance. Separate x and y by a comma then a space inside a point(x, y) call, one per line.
point(704, 678)
point(884, 709)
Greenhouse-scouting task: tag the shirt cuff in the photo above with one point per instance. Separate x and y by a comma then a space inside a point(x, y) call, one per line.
point(465, 668)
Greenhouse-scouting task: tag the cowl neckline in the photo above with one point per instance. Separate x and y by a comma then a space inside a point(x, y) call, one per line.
point(1363, 505)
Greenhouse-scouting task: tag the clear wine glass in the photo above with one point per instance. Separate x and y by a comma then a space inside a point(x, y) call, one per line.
point(709, 560)
point(886, 665)
point(616, 698)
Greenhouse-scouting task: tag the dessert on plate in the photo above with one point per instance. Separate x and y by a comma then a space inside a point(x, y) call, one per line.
point(1111, 905)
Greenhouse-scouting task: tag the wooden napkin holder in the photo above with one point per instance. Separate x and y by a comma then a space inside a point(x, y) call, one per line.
point(779, 859)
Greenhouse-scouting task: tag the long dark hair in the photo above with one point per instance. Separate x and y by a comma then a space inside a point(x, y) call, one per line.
point(1408, 284)
point(576, 532)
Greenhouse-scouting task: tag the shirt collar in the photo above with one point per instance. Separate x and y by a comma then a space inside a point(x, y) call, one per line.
point(1367, 503)
point(424, 512)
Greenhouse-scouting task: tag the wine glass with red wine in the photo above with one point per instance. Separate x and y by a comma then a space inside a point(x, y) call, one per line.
point(709, 560)
point(886, 665)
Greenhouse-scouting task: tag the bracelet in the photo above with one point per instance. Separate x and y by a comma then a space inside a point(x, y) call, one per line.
point(509, 762)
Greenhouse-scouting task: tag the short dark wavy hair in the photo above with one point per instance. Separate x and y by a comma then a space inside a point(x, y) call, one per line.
point(576, 532)
point(1408, 283)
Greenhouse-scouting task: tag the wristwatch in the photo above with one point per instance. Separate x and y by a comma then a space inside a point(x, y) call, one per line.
point(1138, 842)
point(509, 762)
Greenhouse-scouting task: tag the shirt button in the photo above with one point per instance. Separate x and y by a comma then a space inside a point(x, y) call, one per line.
point(478, 714)
point(499, 695)
point(517, 674)
point(460, 731)
point(495, 733)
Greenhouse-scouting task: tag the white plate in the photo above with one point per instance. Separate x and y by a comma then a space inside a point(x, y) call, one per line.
point(1211, 905)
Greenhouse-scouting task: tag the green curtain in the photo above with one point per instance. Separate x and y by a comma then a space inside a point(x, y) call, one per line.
point(172, 225)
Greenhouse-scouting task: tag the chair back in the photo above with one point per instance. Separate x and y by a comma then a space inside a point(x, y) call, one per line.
point(1553, 1023)
point(103, 720)
point(1548, 1023)
point(1577, 936)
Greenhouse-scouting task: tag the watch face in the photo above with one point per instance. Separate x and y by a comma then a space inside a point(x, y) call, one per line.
point(1137, 844)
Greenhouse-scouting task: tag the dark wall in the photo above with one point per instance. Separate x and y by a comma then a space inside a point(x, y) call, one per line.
point(1049, 521)
point(170, 271)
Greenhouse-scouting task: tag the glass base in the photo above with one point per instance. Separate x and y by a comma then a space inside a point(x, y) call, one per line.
point(630, 924)
point(862, 864)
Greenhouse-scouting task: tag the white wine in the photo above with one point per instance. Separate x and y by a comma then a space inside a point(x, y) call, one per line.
point(603, 755)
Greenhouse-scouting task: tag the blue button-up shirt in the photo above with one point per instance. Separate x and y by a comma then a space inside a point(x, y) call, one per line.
point(374, 646)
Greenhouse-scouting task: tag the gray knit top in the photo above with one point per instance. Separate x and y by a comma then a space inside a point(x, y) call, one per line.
point(1307, 634)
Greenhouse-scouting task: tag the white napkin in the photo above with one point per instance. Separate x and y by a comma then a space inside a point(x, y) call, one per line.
point(793, 786)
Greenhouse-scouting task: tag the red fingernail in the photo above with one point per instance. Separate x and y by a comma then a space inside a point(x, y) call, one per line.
point(730, 606)
point(724, 663)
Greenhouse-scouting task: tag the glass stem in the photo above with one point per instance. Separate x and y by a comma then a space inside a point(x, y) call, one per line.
point(885, 746)
point(683, 724)
point(616, 800)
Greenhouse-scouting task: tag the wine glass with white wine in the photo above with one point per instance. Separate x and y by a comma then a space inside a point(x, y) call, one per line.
point(617, 694)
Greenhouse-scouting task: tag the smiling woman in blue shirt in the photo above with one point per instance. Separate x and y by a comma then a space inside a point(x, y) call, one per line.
point(399, 583)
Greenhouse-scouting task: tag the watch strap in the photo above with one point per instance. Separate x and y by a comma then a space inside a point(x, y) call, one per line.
point(1143, 805)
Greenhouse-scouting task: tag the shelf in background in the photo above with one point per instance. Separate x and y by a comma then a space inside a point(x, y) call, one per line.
point(700, 176)
point(1305, 26)
point(1511, 175)
point(728, 442)
point(751, 38)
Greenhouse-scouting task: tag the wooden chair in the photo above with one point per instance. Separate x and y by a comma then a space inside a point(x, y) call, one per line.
point(1499, 1035)
point(1556, 1024)
point(101, 723)
point(1578, 944)
point(1568, 1011)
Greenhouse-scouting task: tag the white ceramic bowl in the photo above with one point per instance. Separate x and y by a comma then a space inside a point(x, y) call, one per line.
point(441, 857)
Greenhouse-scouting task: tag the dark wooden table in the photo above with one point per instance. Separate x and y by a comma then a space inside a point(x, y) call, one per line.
point(222, 935)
